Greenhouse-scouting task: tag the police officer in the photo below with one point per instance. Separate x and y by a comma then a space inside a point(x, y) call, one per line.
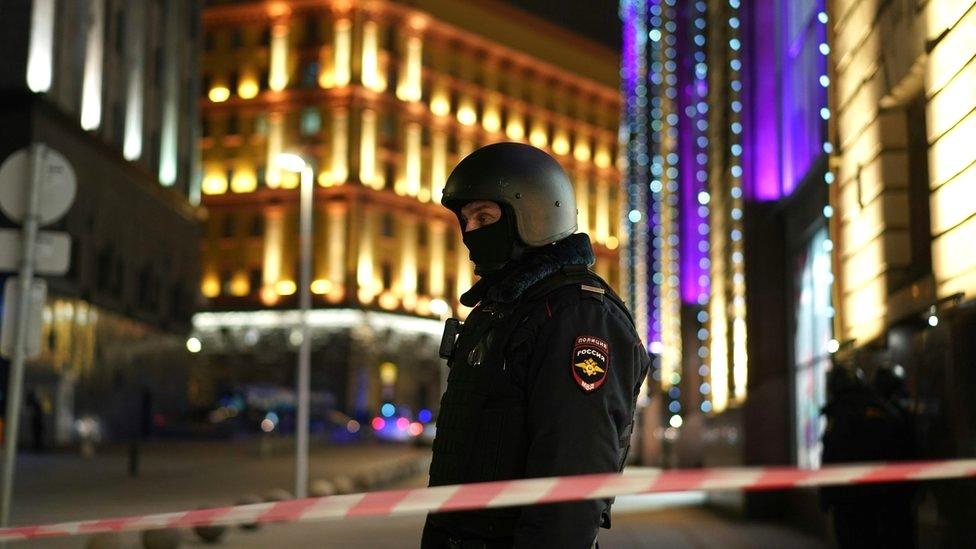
point(545, 371)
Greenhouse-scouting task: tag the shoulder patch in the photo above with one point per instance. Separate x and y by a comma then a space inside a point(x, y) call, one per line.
point(590, 362)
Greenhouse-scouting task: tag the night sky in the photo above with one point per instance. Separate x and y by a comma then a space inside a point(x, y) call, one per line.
point(595, 19)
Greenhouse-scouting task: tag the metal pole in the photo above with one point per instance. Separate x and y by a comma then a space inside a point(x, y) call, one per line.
point(16, 377)
point(305, 350)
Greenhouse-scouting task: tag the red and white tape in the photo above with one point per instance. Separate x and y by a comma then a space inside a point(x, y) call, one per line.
point(512, 492)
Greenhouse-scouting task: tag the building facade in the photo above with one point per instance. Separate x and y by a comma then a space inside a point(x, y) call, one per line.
point(808, 203)
point(905, 218)
point(383, 98)
point(112, 86)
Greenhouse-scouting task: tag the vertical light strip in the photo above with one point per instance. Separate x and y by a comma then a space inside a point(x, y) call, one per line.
point(634, 137)
point(367, 148)
point(135, 53)
point(408, 261)
point(365, 277)
point(91, 88)
point(413, 158)
point(656, 187)
point(343, 51)
point(278, 63)
point(340, 145)
point(665, 168)
point(370, 57)
point(40, 53)
point(438, 232)
point(738, 306)
point(438, 165)
point(409, 86)
point(828, 211)
point(169, 120)
point(274, 235)
point(276, 138)
point(699, 262)
point(337, 250)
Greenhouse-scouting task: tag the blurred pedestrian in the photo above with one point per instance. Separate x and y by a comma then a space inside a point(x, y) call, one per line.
point(546, 369)
point(898, 505)
point(36, 409)
point(862, 426)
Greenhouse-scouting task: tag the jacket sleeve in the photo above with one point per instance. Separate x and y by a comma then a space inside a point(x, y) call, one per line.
point(573, 428)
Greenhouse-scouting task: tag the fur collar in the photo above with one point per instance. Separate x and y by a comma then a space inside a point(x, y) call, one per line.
point(520, 274)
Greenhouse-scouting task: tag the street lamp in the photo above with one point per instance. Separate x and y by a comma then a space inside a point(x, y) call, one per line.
point(295, 163)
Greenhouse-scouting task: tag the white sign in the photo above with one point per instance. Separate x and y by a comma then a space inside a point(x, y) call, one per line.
point(35, 317)
point(52, 251)
point(56, 178)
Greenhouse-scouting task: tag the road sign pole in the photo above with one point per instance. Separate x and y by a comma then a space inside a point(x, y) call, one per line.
point(16, 377)
point(305, 350)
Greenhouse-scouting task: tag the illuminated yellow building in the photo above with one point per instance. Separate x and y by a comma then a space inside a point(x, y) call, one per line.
point(384, 98)
point(906, 184)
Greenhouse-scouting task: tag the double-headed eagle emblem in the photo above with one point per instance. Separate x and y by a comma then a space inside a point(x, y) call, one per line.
point(590, 367)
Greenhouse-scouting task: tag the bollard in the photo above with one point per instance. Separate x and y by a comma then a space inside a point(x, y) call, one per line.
point(322, 488)
point(210, 533)
point(105, 540)
point(249, 499)
point(277, 494)
point(167, 538)
point(343, 485)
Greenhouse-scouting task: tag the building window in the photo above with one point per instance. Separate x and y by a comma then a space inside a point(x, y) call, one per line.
point(450, 287)
point(233, 125)
point(422, 237)
point(208, 40)
point(227, 229)
point(226, 286)
point(236, 38)
point(257, 223)
point(919, 193)
point(422, 283)
point(265, 39)
point(261, 124)
point(206, 127)
point(386, 273)
point(310, 74)
point(387, 226)
point(255, 279)
point(311, 121)
point(312, 33)
point(261, 176)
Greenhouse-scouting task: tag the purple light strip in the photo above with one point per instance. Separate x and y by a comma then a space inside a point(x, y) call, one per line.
point(691, 89)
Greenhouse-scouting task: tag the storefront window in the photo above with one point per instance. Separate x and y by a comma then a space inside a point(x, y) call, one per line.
point(811, 359)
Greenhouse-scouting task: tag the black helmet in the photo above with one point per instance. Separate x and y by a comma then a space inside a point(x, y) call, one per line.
point(526, 179)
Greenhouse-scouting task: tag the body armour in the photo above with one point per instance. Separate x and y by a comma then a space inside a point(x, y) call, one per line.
point(543, 381)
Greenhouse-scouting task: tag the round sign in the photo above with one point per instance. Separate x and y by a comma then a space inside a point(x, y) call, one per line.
point(57, 181)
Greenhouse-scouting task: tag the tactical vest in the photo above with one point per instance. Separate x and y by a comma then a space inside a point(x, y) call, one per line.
point(481, 431)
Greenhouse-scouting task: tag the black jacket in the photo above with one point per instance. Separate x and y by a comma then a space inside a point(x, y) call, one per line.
point(544, 379)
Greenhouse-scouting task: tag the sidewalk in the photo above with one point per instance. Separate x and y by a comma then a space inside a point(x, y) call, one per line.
point(186, 475)
point(177, 475)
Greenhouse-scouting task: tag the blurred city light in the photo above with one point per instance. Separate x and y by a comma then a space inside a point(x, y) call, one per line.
point(193, 345)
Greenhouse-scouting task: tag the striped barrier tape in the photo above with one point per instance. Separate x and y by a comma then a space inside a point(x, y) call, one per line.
point(512, 492)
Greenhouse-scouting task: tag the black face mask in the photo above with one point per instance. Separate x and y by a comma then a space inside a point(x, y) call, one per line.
point(491, 247)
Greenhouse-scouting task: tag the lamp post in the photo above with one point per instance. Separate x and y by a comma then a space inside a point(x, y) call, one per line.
point(295, 163)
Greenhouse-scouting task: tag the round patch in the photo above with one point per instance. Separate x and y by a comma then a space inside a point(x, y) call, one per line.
point(590, 362)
